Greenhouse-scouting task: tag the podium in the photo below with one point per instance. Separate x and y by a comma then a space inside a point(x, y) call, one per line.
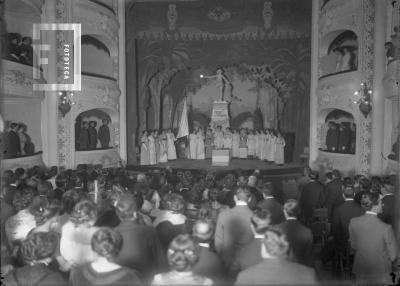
point(220, 115)
point(221, 157)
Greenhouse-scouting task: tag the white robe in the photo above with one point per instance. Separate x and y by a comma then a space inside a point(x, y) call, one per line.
point(235, 145)
point(171, 146)
point(271, 145)
point(200, 147)
point(193, 145)
point(152, 150)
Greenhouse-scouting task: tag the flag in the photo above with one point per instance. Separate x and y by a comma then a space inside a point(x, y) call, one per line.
point(183, 124)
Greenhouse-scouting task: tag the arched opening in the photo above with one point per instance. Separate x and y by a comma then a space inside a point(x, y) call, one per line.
point(338, 132)
point(95, 129)
point(340, 53)
point(96, 57)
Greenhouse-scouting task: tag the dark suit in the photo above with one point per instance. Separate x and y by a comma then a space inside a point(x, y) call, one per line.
point(300, 240)
point(167, 231)
point(332, 139)
point(388, 209)
point(344, 141)
point(341, 217)
point(209, 265)
point(311, 197)
point(334, 195)
point(232, 232)
point(277, 271)
point(104, 136)
point(92, 137)
point(12, 145)
point(375, 246)
point(248, 256)
point(141, 249)
point(275, 208)
point(83, 139)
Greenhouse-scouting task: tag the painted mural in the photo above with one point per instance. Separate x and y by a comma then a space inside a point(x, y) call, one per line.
point(263, 47)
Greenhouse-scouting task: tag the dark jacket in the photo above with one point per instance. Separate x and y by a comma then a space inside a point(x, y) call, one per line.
point(83, 139)
point(275, 208)
point(388, 209)
point(210, 265)
point(311, 197)
point(344, 141)
point(332, 139)
point(300, 239)
point(141, 250)
point(12, 146)
point(334, 195)
point(104, 136)
point(341, 217)
point(248, 256)
point(92, 137)
point(37, 275)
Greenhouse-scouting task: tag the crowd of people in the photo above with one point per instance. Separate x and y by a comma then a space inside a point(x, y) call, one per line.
point(341, 137)
point(16, 142)
point(267, 145)
point(97, 226)
point(89, 138)
point(19, 49)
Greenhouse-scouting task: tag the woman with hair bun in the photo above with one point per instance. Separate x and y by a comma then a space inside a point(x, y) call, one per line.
point(183, 253)
point(107, 244)
point(76, 235)
point(36, 252)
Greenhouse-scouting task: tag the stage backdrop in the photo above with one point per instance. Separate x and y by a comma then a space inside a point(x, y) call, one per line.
point(263, 46)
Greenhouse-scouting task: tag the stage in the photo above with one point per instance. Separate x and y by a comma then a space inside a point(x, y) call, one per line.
point(242, 166)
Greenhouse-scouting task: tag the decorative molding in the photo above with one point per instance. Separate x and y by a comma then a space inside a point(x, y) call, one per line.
point(267, 14)
point(219, 14)
point(172, 17)
point(107, 158)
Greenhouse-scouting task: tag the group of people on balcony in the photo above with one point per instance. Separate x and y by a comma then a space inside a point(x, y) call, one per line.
point(17, 142)
point(341, 137)
point(19, 49)
point(88, 137)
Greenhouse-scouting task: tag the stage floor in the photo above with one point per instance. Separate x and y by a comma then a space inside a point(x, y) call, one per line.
point(245, 166)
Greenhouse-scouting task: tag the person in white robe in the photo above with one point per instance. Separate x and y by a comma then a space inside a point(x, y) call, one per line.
point(219, 138)
point(271, 146)
point(171, 145)
point(163, 147)
point(279, 150)
point(200, 145)
point(258, 144)
point(235, 144)
point(228, 139)
point(152, 149)
point(144, 149)
point(193, 144)
point(263, 143)
point(251, 144)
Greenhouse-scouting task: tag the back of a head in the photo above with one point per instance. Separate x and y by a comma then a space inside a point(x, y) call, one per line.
point(275, 242)
point(23, 198)
point(85, 212)
point(252, 181)
point(203, 230)
point(242, 194)
point(314, 175)
point(337, 174)
point(261, 220)
point(329, 176)
point(173, 202)
point(38, 246)
point(369, 200)
point(126, 207)
point(44, 187)
point(347, 181)
point(292, 208)
point(107, 242)
point(267, 189)
point(69, 199)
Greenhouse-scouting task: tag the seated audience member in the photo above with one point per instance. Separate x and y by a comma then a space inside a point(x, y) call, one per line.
point(299, 236)
point(374, 243)
point(107, 244)
point(19, 225)
point(170, 222)
point(144, 251)
point(250, 254)
point(209, 264)
point(342, 215)
point(271, 204)
point(183, 254)
point(275, 269)
point(76, 234)
point(311, 198)
point(36, 252)
point(233, 230)
point(388, 202)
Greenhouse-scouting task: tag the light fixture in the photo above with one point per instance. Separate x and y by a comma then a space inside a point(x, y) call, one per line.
point(66, 101)
point(363, 99)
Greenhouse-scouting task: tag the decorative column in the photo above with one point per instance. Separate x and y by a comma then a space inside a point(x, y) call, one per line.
point(122, 82)
point(378, 98)
point(314, 82)
point(49, 120)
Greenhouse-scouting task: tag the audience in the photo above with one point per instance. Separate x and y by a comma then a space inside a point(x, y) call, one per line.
point(142, 215)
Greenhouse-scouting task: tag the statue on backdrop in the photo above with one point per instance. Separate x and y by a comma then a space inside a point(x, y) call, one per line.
point(222, 82)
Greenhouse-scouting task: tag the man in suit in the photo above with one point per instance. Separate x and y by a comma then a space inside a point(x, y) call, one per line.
point(333, 191)
point(299, 236)
point(104, 134)
point(271, 204)
point(311, 197)
point(142, 249)
point(92, 135)
point(210, 264)
point(344, 140)
point(12, 144)
point(275, 269)
point(341, 217)
point(374, 244)
point(84, 136)
point(388, 203)
point(250, 254)
point(233, 227)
